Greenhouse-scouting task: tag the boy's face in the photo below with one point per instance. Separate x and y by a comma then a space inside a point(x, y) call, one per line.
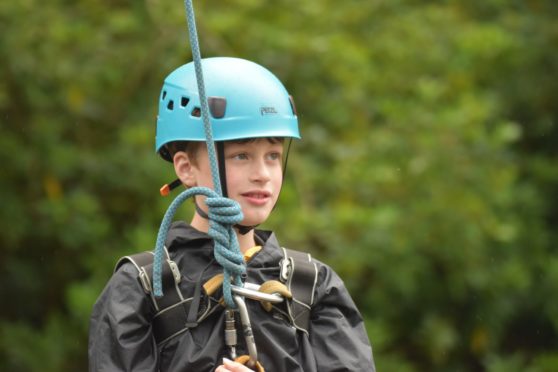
point(254, 176)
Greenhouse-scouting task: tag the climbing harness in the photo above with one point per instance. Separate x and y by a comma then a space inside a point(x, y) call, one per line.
point(176, 314)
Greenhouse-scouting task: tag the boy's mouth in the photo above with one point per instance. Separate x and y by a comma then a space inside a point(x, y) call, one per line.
point(257, 198)
point(257, 194)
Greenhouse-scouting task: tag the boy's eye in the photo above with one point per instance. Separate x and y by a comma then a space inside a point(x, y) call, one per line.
point(274, 156)
point(241, 156)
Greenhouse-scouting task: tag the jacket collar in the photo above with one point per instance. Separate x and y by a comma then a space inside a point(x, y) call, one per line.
point(182, 234)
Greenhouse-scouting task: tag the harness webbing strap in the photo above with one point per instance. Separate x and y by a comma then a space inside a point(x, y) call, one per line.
point(170, 321)
point(169, 284)
point(138, 259)
point(300, 274)
point(173, 311)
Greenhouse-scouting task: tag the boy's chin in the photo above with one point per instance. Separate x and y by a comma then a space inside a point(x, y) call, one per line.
point(254, 220)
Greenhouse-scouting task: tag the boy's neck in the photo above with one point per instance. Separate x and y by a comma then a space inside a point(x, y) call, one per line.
point(245, 241)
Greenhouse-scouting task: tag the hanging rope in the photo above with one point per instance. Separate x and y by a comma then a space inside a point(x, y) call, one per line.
point(191, 20)
point(223, 213)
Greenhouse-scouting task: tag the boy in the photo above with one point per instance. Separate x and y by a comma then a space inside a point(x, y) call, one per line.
point(252, 115)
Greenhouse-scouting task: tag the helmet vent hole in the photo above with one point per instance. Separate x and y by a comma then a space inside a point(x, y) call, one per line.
point(170, 105)
point(196, 112)
point(164, 95)
point(217, 106)
point(184, 101)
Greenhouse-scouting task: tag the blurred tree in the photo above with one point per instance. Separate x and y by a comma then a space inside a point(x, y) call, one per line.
point(426, 176)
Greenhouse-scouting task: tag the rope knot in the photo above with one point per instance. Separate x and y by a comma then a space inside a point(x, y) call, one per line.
point(223, 213)
point(224, 210)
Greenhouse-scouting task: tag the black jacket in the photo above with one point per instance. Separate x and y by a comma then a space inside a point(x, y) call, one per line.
point(120, 335)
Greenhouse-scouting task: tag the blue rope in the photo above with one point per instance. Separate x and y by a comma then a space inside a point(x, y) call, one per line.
point(191, 19)
point(223, 212)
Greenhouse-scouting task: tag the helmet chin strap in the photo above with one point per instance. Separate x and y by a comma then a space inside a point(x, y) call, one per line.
point(243, 230)
point(220, 145)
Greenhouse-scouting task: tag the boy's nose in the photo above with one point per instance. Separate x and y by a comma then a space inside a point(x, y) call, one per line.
point(260, 171)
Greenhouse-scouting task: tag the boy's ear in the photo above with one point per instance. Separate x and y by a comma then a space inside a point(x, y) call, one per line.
point(184, 169)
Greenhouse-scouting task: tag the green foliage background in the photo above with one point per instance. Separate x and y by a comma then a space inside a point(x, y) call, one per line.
point(427, 176)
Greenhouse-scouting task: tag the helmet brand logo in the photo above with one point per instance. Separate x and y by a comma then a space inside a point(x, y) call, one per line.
point(267, 110)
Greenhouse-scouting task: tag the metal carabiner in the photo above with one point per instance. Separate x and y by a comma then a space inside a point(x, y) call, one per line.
point(252, 291)
point(247, 330)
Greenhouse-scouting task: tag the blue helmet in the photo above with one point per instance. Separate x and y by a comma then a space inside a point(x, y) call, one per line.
point(245, 101)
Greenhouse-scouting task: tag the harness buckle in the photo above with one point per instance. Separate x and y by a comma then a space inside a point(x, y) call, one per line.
point(285, 267)
point(175, 271)
point(144, 280)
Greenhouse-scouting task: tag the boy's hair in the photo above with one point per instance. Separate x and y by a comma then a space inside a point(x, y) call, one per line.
point(189, 147)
